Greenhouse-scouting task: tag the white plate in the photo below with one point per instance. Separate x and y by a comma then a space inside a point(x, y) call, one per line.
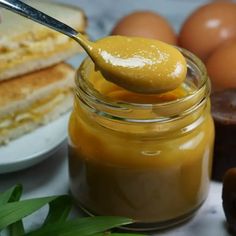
point(34, 147)
point(38, 145)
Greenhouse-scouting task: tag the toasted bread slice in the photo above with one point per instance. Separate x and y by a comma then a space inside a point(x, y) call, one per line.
point(26, 46)
point(34, 99)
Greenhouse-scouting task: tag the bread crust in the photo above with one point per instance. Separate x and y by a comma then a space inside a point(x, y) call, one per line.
point(31, 125)
point(36, 64)
point(21, 92)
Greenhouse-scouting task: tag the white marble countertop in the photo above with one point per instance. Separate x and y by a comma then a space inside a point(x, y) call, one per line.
point(51, 177)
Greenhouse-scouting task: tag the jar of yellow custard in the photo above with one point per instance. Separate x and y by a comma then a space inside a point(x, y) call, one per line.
point(146, 157)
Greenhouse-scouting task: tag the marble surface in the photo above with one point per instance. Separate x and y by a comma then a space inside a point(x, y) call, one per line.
point(51, 176)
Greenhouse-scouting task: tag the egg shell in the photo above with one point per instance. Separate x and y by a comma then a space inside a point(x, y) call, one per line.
point(146, 24)
point(221, 66)
point(208, 27)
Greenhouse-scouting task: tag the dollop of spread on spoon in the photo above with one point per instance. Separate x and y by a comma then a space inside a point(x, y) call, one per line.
point(138, 64)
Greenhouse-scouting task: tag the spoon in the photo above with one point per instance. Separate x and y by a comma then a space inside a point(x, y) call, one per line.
point(136, 64)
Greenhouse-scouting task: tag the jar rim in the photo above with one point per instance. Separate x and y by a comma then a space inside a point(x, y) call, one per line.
point(87, 90)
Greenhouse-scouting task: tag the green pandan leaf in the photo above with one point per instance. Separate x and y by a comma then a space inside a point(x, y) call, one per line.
point(11, 194)
point(82, 226)
point(15, 211)
point(17, 228)
point(12, 211)
point(59, 210)
point(117, 234)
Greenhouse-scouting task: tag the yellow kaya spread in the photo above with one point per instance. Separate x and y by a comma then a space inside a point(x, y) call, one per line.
point(122, 169)
point(138, 64)
point(151, 172)
point(117, 93)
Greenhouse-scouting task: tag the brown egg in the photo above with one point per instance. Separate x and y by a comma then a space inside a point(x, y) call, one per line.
point(146, 24)
point(221, 66)
point(208, 27)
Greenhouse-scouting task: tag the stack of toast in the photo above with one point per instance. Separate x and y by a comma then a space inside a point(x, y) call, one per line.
point(35, 84)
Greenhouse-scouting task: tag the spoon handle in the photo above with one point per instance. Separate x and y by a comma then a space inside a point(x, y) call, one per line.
point(38, 16)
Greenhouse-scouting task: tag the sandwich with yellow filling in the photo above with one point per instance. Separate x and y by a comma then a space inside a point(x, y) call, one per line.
point(32, 100)
point(26, 46)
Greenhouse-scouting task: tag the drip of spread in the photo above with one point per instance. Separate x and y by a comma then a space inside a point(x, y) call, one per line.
point(139, 65)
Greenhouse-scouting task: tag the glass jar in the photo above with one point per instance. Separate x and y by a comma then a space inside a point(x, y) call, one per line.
point(147, 161)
